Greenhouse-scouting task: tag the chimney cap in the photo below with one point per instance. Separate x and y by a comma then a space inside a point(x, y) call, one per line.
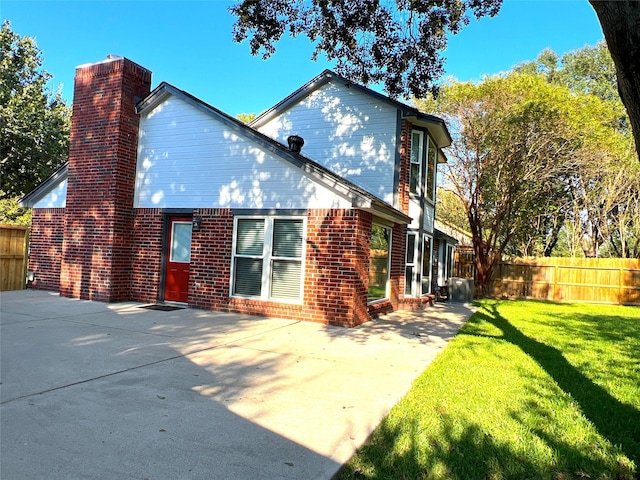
point(295, 143)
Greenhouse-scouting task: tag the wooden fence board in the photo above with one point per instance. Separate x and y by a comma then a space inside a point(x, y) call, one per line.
point(13, 256)
point(594, 280)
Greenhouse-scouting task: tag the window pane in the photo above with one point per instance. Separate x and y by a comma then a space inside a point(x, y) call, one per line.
point(431, 168)
point(285, 279)
point(411, 247)
point(250, 236)
point(426, 265)
point(180, 242)
point(379, 262)
point(248, 277)
point(287, 238)
point(408, 280)
point(414, 181)
point(416, 160)
point(415, 147)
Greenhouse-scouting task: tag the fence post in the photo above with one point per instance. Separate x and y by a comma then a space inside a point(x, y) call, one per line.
point(620, 285)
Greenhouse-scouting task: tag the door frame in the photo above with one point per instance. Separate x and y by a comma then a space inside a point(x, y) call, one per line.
point(167, 214)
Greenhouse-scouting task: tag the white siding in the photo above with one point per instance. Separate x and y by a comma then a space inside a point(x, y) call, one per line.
point(189, 159)
point(346, 131)
point(427, 223)
point(427, 216)
point(414, 213)
point(56, 198)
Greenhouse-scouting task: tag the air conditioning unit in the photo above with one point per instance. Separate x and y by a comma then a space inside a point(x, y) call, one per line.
point(461, 290)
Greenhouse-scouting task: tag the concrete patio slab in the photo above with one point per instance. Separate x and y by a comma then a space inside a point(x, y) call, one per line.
point(94, 390)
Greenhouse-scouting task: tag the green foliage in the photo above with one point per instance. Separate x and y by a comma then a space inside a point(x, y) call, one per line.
point(543, 160)
point(398, 44)
point(525, 390)
point(246, 117)
point(35, 123)
point(514, 136)
point(450, 208)
point(11, 213)
point(587, 70)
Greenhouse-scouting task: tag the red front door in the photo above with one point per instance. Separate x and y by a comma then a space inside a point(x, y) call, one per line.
point(176, 285)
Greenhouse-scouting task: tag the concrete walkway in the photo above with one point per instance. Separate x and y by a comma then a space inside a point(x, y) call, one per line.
point(114, 391)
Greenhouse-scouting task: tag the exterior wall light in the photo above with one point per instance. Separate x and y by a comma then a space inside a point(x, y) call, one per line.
point(197, 223)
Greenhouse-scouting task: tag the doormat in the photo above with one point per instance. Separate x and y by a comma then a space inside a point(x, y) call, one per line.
point(163, 308)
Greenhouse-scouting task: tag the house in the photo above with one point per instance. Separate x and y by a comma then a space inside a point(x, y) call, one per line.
point(322, 209)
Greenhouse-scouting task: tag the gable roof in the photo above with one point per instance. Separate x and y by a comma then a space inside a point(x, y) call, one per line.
point(38, 193)
point(360, 198)
point(436, 126)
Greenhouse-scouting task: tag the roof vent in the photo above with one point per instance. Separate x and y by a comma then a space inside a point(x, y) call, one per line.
point(295, 143)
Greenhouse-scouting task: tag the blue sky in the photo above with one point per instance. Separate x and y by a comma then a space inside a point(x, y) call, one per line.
point(188, 44)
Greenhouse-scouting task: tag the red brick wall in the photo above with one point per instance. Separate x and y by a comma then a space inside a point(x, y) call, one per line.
point(210, 269)
point(146, 255)
point(398, 259)
point(45, 248)
point(97, 249)
point(337, 267)
point(405, 167)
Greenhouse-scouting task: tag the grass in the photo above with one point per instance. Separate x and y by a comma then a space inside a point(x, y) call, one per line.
point(526, 390)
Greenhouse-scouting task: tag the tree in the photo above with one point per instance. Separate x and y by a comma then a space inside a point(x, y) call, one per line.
point(35, 124)
point(396, 43)
point(516, 140)
point(450, 208)
point(620, 21)
point(246, 117)
point(399, 43)
point(603, 186)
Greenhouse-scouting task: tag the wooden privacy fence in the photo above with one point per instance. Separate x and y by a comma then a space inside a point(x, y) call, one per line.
point(13, 256)
point(464, 263)
point(595, 280)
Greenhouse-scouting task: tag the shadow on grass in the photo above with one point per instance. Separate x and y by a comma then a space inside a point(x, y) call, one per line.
point(461, 450)
point(618, 422)
point(452, 454)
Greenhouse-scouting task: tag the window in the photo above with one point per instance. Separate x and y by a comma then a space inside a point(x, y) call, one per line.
point(410, 269)
point(268, 257)
point(379, 256)
point(422, 177)
point(180, 251)
point(432, 154)
point(448, 271)
point(415, 177)
point(426, 265)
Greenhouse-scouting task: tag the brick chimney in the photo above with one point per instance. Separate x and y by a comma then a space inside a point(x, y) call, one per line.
point(96, 249)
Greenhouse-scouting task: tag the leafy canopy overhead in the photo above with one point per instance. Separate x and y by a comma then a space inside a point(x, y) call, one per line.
point(394, 42)
point(35, 123)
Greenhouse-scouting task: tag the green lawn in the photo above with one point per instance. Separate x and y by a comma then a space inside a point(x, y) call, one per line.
point(527, 390)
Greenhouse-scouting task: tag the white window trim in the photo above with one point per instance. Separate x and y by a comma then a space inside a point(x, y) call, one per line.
point(414, 264)
point(430, 273)
point(434, 161)
point(420, 186)
point(171, 240)
point(267, 258)
point(450, 262)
